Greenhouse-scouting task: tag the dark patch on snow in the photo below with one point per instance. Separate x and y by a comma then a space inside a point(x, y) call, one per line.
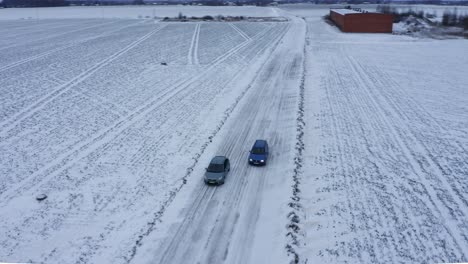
point(41, 197)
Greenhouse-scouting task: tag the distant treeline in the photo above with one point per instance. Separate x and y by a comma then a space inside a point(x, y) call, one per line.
point(50, 3)
point(33, 3)
point(449, 18)
point(104, 2)
point(354, 2)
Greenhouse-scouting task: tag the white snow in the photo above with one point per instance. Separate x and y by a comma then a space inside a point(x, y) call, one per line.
point(345, 11)
point(91, 118)
point(386, 148)
point(115, 120)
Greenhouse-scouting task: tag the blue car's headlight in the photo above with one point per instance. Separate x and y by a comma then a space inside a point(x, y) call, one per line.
point(262, 161)
point(250, 159)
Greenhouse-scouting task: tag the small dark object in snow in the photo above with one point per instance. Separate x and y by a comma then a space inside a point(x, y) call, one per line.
point(164, 63)
point(41, 197)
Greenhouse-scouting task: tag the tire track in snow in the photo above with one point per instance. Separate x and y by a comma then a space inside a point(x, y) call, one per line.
point(214, 243)
point(200, 206)
point(11, 122)
point(79, 145)
point(83, 148)
point(187, 222)
point(374, 105)
point(193, 50)
point(245, 190)
point(216, 247)
point(346, 171)
point(421, 170)
point(403, 111)
point(91, 245)
point(373, 207)
point(7, 26)
point(41, 55)
point(58, 35)
point(376, 108)
point(245, 36)
point(110, 106)
point(341, 129)
point(53, 25)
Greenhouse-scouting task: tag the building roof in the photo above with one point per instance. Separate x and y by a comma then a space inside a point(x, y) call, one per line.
point(343, 11)
point(346, 11)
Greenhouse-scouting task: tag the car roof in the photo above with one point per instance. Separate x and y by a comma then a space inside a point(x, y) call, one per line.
point(218, 160)
point(260, 143)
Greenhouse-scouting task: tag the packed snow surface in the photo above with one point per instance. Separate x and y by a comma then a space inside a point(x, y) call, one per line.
point(114, 121)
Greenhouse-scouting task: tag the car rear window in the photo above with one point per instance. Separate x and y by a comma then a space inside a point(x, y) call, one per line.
point(216, 168)
point(258, 151)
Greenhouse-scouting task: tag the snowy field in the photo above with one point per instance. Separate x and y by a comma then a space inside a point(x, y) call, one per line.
point(368, 139)
point(386, 148)
point(90, 117)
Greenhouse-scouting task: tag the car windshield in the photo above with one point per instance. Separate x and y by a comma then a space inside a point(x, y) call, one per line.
point(258, 151)
point(216, 168)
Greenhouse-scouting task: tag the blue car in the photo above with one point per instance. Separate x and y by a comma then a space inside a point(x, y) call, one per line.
point(259, 153)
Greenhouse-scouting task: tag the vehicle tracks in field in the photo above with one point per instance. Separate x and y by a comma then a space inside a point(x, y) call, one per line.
point(28, 111)
point(44, 54)
point(213, 249)
point(83, 148)
point(424, 171)
point(73, 155)
point(242, 33)
point(17, 118)
point(192, 57)
point(58, 35)
point(174, 240)
point(374, 144)
point(212, 246)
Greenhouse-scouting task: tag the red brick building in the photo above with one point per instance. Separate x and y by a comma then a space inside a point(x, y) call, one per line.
point(349, 20)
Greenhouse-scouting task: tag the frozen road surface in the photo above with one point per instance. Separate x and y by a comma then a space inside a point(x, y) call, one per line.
point(115, 121)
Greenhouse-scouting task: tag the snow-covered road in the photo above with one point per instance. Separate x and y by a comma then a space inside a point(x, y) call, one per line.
point(242, 221)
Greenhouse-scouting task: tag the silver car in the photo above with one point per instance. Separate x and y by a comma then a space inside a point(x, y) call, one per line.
point(217, 170)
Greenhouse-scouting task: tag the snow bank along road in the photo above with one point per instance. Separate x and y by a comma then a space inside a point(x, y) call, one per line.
point(91, 117)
